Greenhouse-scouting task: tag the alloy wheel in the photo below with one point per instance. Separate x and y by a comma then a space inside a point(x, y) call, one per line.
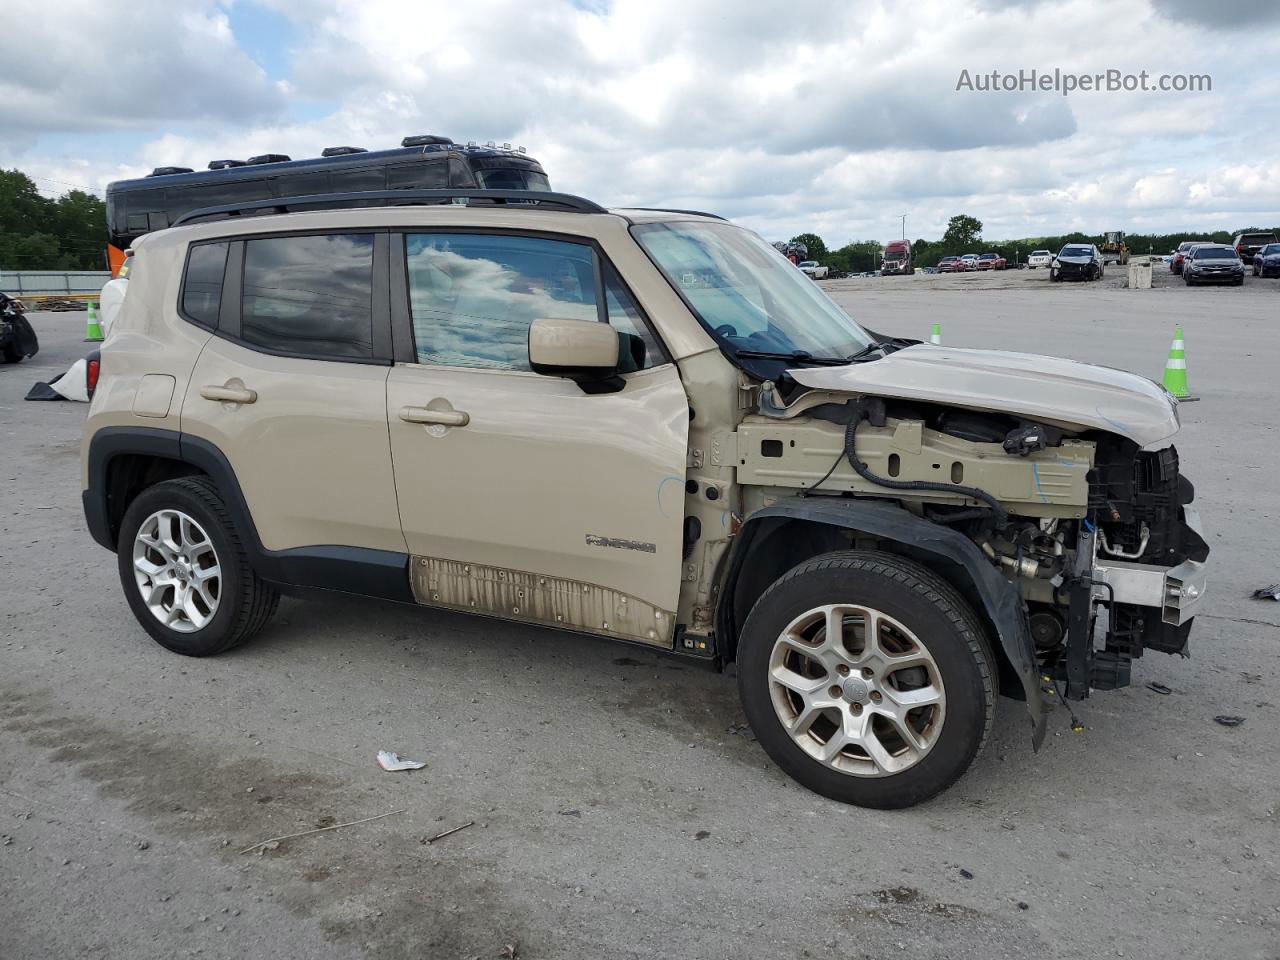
point(177, 571)
point(856, 690)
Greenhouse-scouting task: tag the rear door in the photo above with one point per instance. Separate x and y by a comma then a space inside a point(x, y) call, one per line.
point(521, 495)
point(292, 387)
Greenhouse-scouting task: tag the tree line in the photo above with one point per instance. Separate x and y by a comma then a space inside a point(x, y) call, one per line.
point(42, 233)
point(964, 235)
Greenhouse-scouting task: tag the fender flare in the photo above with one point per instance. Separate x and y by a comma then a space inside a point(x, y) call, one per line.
point(359, 570)
point(1000, 599)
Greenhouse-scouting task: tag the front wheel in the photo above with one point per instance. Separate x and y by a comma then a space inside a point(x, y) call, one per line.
point(867, 678)
point(185, 571)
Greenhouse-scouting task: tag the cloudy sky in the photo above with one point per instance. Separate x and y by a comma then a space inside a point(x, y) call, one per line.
point(835, 117)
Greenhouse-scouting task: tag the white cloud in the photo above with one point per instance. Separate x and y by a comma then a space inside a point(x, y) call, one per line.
point(817, 116)
point(80, 65)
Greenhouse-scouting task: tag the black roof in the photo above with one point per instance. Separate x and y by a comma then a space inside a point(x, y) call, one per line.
point(171, 176)
point(520, 199)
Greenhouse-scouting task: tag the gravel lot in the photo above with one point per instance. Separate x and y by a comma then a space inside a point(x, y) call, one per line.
point(615, 814)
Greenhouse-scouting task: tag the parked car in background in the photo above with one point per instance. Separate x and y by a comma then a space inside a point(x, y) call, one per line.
point(970, 261)
point(992, 261)
point(1266, 262)
point(1039, 258)
point(813, 269)
point(17, 338)
point(1077, 261)
point(1179, 255)
point(896, 258)
point(949, 265)
point(1248, 244)
point(1213, 263)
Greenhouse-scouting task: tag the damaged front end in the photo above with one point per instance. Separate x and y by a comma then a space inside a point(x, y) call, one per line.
point(1045, 465)
point(1140, 557)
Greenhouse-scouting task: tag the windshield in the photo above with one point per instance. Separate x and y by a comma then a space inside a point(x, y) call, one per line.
point(808, 263)
point(1269, 249)
point(1214, 253)
point(1041, 253)
point(747, 294)
point(1076, 252)
point(509, 178)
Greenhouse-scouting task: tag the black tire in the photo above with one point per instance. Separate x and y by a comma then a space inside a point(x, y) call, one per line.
point(923, 603)
point(245, 601)
point(10, 354)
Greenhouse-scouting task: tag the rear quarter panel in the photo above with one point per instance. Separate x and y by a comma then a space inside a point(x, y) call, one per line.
point(147, 337)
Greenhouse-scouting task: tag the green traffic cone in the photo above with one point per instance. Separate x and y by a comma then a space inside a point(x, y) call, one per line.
point(935, 335)
point(92, 328)
point(1175, 368)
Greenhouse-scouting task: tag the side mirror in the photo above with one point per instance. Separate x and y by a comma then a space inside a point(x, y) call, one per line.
point(584, 351)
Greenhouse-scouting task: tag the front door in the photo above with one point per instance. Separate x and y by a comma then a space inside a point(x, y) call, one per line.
point(520, 495)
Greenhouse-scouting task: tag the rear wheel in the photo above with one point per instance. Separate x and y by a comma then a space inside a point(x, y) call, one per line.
point(185, 572)
point(867, 678)
point(10, 354)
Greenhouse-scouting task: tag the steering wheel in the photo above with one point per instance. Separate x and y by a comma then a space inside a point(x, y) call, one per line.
point(726, 330)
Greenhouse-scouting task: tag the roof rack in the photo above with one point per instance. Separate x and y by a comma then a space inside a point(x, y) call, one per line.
point(692, 213)
point(392, 198)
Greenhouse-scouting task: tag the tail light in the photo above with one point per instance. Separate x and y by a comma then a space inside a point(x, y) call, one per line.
point(92, 370)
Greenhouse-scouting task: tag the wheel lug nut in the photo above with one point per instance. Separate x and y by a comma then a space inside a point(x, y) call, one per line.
point(856, 707)
point(842, 670)
point(835, 692)
point(868, 672)
point(875, 696)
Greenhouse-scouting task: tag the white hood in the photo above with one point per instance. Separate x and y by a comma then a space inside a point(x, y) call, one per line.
point(1059, 392)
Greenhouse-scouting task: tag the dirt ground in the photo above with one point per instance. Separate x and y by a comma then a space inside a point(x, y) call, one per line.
point(618, 810)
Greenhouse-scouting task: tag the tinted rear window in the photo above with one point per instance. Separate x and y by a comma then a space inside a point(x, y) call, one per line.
point(424, 176)
point(202, 283)
point(310, 296)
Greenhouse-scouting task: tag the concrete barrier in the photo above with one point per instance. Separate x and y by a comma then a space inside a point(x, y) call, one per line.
point(1139, 275)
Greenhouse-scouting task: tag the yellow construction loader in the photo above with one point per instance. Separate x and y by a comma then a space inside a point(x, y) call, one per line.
point(1113, 247)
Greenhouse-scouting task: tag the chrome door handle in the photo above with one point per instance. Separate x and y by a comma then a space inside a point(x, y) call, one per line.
point(448, 418)
point(229, 394)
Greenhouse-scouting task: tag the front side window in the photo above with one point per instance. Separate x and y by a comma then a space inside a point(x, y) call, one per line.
point(747, 294)
point(473, 297)
point(309, 296)
point(202, 282)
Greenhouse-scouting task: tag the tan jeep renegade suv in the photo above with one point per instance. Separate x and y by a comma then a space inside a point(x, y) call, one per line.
point(645, 425)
